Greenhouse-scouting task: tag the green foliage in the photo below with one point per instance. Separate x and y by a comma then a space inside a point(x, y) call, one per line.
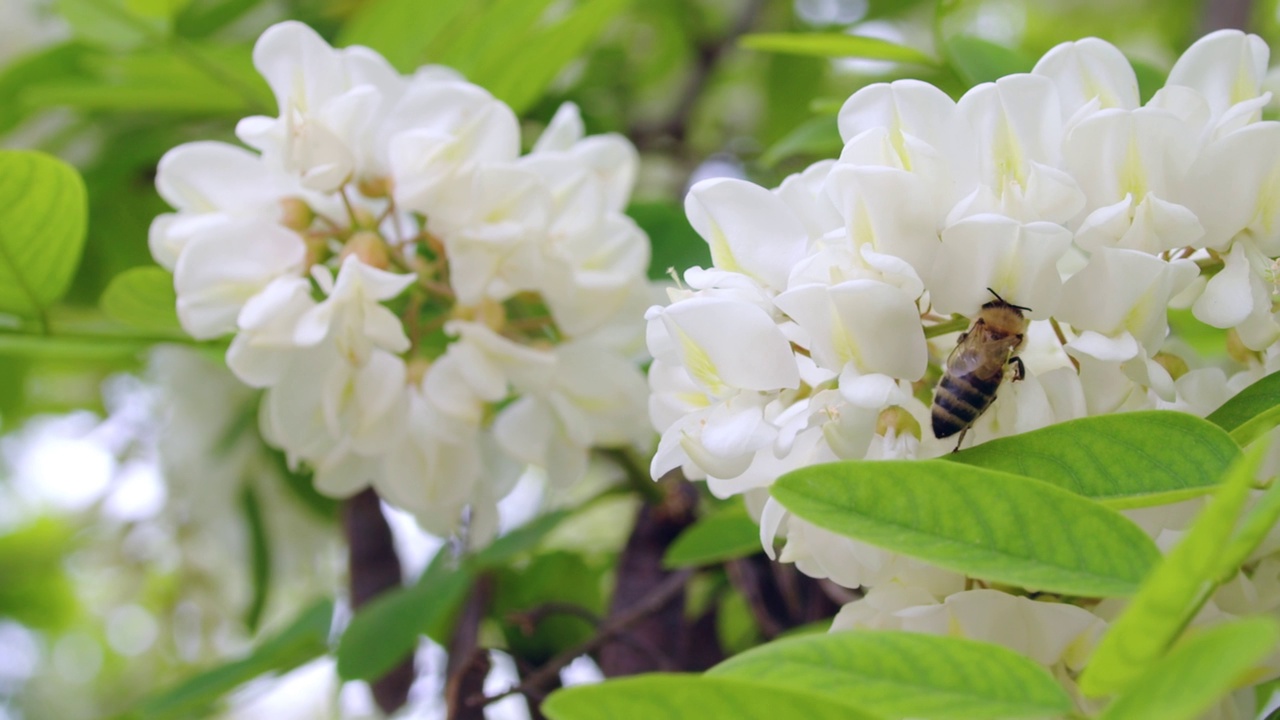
point(554, 577)
point(1198, 672)
point(302, 641)
point(117, 24)
point(36, 590)
point(721, 536)
point(1251, 412)
point(142, 298)
point(259, 556)
point(692, 697)
point(901, 674)
point(835, 45)
point(42, 227)
point(527, 68)
point(1176, 590)
point(983, 523)
point(817, 136)
point(977, 61)
point(675, 244)
point(1123, 461)
point(402, 30)
point(386, 630)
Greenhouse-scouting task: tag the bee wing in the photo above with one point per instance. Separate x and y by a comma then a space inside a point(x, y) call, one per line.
point(965, 358)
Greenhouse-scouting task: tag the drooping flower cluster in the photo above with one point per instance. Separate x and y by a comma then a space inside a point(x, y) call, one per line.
point(428, 310)
point(835, 298)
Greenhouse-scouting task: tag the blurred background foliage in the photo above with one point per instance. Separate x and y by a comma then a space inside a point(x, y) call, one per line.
point(126, 564)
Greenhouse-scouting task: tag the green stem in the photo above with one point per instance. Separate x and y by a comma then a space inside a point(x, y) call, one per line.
point(955, 324)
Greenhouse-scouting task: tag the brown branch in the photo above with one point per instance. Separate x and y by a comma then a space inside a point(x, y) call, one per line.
point(374, 568)
point(468, 663)
point(662, 593)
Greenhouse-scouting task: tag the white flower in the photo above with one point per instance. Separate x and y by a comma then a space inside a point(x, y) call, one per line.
point(1090, 75)
point(749, 229)
point(224, 265)
point(352, 315)
point(1227, 68)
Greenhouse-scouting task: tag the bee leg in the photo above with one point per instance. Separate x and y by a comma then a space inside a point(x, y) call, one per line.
point(960, 440)
point(1019, 370)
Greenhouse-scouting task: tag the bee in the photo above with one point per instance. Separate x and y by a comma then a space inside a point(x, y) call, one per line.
point(977, 366)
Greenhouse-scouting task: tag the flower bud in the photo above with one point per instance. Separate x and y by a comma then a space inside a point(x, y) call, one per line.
point(898, 419)
point(374, 187)
point(1174, 365)
point(369, 247)
point(296, 214)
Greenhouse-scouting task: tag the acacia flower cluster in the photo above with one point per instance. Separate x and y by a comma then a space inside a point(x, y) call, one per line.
point(428, 310)
point(835, 298)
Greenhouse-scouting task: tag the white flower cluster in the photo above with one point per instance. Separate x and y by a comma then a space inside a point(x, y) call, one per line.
point(428, 310)
point(820, 332)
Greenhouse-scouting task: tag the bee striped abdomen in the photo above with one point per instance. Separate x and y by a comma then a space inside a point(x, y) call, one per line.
point(959, 401)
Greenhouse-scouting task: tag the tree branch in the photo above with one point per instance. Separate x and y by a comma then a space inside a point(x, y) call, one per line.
point(374, 568)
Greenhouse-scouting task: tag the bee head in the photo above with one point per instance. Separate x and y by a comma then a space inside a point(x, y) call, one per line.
point(1001, 302)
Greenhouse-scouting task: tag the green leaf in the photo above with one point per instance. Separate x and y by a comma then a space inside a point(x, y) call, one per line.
point(42, 226)
point(1125, 460)
point(302, 641)
point(983, 523)
point(977, 61)
point(484, 48)
point(36, 590)
point(531, 68)
point(33, 71)
point(1175, 591)
point(835, 45)
point(1252, 411)
point(675, 244)
point(112, 23)
point(205, 79)
point(259, 557)
point(903, 674)
point(402, 30)
point(142, 298)
point(522, 539)
point(386, 630)
point(713, 539)
point(554, 577)
point(691, 697)
point(1198, 673)
point(817, 136)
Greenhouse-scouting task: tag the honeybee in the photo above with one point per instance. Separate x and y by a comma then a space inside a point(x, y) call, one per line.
point(977, 366)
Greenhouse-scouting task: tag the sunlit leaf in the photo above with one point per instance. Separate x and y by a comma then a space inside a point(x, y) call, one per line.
point(1125, 460)
point(835, 45)
point(520, 540)
point(1252, 411)
point(901, 674)
point(1198, 672)
point(302, 641)
point(715, 538)
point(983, 523)
point(42, 226)
point(691, 697)
point(977, 61)
point(532, 67)
point(401, 30)
point(114, 23)
point(142, 298)
point(1174, 591)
